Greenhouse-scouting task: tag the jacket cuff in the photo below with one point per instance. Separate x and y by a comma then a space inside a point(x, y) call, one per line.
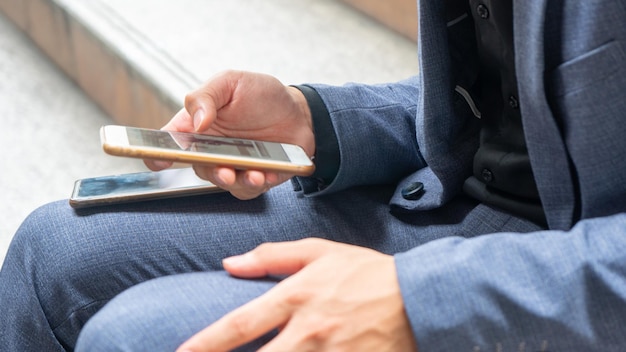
point(326, 157)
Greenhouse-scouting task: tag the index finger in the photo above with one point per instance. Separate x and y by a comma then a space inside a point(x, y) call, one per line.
point(279, 258)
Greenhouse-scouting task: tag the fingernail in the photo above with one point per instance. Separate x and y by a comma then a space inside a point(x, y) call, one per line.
point(236, 261)
point(162, 164)
point(197, 119)
point(231, 261)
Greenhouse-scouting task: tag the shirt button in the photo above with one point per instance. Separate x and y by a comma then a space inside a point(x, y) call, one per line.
point(482, 11)
point(487, 175)
point(513, 103)
point(413, 191)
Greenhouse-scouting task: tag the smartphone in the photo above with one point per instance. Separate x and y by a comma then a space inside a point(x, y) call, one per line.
point(203, 149)
point(134, 187)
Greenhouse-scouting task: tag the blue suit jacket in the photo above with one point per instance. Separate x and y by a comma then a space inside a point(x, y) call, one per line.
point(559, 289)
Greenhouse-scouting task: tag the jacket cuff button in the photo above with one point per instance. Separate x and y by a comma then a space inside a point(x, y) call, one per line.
point(413, 191)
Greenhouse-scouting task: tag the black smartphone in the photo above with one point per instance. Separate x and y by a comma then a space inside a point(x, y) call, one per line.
point(141, 186)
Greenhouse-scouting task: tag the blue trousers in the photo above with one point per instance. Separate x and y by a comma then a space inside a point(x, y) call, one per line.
point(147, 276)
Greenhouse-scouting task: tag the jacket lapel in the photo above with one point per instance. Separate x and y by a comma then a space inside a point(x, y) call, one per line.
point(545, 144)
point(447, 141)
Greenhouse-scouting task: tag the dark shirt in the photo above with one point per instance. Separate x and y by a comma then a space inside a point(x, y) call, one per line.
point(502, 174)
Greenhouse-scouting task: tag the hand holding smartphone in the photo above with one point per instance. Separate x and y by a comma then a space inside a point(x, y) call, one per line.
point(243, 154)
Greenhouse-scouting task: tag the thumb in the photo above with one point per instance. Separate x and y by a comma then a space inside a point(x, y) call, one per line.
point(203, 103)
point(283, 258)
point(202, 110)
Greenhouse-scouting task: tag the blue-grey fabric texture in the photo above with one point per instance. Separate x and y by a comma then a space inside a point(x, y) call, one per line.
point(559, 290)
point(147, 276)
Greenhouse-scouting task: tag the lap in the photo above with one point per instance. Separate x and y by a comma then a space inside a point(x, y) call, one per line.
point(75, 262)
point(83, 259)
point(162, 313)
point(194, 234)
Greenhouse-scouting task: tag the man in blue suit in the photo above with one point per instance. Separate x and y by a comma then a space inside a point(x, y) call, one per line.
point(503, 164)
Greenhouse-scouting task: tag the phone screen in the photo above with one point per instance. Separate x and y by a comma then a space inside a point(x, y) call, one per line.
point(207, 144)
point(138, 186)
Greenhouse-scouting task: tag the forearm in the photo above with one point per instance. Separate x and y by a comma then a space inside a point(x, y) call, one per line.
point(562, 291)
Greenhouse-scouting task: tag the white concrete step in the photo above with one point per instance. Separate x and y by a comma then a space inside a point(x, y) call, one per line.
point(137, 59)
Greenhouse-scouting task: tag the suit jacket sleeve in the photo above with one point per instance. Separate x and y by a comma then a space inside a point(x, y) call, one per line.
point(550, 290)
point(376, 134)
